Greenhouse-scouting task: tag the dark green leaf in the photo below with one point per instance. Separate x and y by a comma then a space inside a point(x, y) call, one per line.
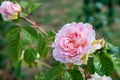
point(90, 66)
point(42, 47)
point(103, 64)
point(116, 62)
point(31, 31)
point(14, 43)
point(30, 55)
point(54, 72)
point(28, 38)
point(17, 71)
point(51, 35)
point(75, 74)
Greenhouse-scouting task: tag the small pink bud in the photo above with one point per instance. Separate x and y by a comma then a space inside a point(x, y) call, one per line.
point(9, 10)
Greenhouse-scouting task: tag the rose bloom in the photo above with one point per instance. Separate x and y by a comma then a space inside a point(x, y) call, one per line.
point(9, 10)
point(73, 42)
point(98, 77)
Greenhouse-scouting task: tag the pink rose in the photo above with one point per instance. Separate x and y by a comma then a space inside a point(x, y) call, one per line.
point(9, 10)
point(73, 42)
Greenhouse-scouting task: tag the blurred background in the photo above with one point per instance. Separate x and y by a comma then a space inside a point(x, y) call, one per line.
point(104, 15)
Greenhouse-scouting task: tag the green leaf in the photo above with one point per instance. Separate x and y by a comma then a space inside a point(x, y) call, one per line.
point(31, 31)
point(42, 47)
point(14, 43)
point(30, 55)
point(51, 35)
point(75, 74)
point(24, 4)
point(103, 64)
point(67, 76)
point(90, 66)
point(34, 6)
point(29, 37)
point(17, 71)
point(116, 62)
point(54, 72)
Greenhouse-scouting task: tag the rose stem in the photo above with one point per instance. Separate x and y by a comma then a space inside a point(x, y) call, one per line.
point(34, 24)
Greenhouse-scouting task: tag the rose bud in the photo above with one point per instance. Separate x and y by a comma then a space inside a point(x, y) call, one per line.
point(10, 10)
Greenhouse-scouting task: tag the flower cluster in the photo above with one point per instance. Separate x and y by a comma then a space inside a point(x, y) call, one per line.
point(9, 10)
point(74, 42)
